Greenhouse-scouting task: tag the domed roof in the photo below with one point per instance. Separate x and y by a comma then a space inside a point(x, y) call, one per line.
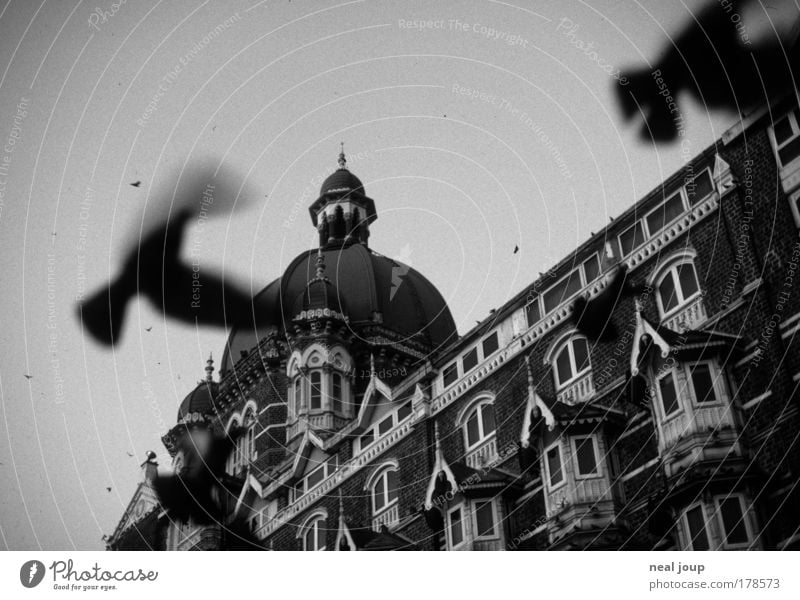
point(364, 285)
point(341, 180)
point(198, 402)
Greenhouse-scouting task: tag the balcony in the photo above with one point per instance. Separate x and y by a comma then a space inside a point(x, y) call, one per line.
point(390, 516)
point(688, 317)
point(579, 390)
point(484, 454)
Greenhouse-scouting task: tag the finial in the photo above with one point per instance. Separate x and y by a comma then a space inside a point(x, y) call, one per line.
point(342, 159)
point(638, 305)
point(436, 434)
point(341, 504)
point(320, 264)
point(209, 368)
point(530, 371)
point(371, 364)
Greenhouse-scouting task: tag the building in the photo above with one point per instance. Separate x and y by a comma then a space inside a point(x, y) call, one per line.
point(363, 421)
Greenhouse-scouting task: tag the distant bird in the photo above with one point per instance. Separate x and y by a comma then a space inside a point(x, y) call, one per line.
point(28, 376)
point(129, 454)
point(148, 328)
point(593, 317)
point(136, 184)
point(516, 249)
point(108, 489)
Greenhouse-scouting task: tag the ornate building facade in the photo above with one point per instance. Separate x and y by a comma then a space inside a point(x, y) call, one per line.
point(363, 421)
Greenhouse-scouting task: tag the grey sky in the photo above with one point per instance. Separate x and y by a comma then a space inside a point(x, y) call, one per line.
point(271, 89)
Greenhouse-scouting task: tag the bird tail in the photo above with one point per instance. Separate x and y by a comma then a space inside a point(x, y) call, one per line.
point(104, 312)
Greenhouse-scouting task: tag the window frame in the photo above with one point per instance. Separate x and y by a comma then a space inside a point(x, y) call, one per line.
point(688, 530)
point(473, 350)
point(671, 270)
point(449, 526)
point(298, 395)
point(548, 475)
point(680, 408)
point(598, 472)
point(681, 193)
point(794, 123)
point(568, 347)
point(494, 334)
point(745, 520)
point(495, 520)
point(446, 371)
point(313, 522)
point(382, 477)
point(315, 392)
point(637, 223)
point(483, 437)
point(716, 376)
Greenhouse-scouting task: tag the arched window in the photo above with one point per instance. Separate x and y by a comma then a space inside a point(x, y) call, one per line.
point(298, 394)
point(244, 446)
point(336, 386)
point(676, 287)
point(571, 361)
point(314, 534)
point(384, 490)
point(479, 424)
point(315, 394)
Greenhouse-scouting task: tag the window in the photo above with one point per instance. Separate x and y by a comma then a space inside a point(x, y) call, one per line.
point(456, 526)
point(700, 187)
point(316, 390)
point(677, 287)
point(470, 360)
point(667, 391)
point(384, 490)
point(315, 477)
point(631, 238)
point(667, 212)
point(366, 439)
point(298, 394)
point(585, 456)
point(563, 290)
point(314, 535)
point(336, 385)
point(703, 383)
point(532, 312)
point(731, 512)
point(404, 411)
point(591, 269)
point(485, 520)
point(572, 361)
point(490, 345)
point(696, 528)
point(244, 447)
point(450, 374)
point(479, 425)
point(555, 474)
point(386, 425)
point(787, 138)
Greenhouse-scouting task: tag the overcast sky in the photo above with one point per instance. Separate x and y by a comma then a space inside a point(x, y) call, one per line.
point(432, 121)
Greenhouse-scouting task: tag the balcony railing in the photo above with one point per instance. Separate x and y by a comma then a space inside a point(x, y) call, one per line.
point(483, 454)
point(690, 316)
point(578, 391)
point(389, 517)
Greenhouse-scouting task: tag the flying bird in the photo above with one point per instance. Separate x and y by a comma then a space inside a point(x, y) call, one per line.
point(28, 376)
point(149, 328)
point(129, 454)
point(593, 317)
point(711, 60)
point(136, 184)
point(516, 249)
point(108, 489)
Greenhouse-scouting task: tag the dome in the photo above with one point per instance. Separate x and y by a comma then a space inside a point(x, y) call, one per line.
point(199, 402)
point(364, 285)
point(341, 180)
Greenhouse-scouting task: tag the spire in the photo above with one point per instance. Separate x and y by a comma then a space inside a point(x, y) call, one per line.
point(320, 264)
point(209, 368)
point(342, 159)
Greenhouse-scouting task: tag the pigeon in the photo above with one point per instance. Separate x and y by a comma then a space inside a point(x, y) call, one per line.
point(28, 376)
point(709, 60)
point(136, 184)
point(129, 454)
point(148, 328)
point(593, 317)
point(516, 249)
point(155, 270)
point(108, 489)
